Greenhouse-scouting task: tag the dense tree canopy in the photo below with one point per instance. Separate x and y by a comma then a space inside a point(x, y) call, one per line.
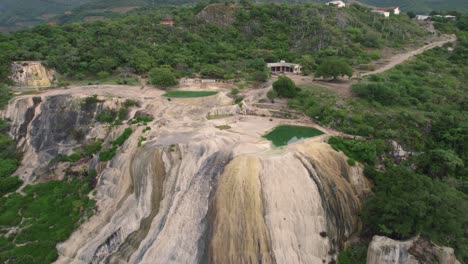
point(218, 49)
point(406, 204)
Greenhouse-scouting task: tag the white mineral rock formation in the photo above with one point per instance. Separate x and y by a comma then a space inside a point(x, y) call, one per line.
point(193, 193)
point(31, 73)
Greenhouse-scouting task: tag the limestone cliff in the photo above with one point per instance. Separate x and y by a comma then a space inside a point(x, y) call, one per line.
point(383, 250)
point(31, 74)
point(193, 193)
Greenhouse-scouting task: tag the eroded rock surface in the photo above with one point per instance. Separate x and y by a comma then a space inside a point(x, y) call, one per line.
point(194, 193)
point(31, 73)
point(383, 250)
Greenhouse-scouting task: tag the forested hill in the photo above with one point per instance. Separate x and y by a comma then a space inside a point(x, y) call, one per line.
point(219, 40)
point(422, 6)
point(28, 13)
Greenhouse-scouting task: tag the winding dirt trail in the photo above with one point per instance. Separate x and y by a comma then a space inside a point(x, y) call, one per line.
point(400, 58)
point(343, 87)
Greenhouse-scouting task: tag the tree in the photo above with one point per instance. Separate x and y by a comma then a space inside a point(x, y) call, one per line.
point(411, 14)
point(285, 87)
point(308, 64)
point(334, 67)
point(163, 77)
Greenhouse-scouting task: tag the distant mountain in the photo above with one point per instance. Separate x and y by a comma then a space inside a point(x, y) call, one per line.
point(17, 14)
point(26, 13)
point(422, 6)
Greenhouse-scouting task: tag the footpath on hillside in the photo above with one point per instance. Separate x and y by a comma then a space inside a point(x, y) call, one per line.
point(400, 58)
point(343, 86)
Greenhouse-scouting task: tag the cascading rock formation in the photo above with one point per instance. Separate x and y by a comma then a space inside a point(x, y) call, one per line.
point(193, 193)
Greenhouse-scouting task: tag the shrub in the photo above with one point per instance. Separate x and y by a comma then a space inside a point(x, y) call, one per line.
point(106, 116)
point(91, 100)
point(285, 87)
point(103, 74)
point(163, 77)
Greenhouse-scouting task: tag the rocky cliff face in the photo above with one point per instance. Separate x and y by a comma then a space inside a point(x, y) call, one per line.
point(31, 73)
point(383, 250)
point(193, 193)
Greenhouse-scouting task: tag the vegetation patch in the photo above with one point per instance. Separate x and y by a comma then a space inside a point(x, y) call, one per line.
point(213, 117)
point(188, 94)
point(47, 214)
point(109, 154)
point(223, 127)
point(286, 134)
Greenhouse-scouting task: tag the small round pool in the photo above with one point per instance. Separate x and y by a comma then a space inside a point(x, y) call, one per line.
point(287, 134)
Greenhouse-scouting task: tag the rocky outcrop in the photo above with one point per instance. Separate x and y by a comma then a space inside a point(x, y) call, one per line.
point(223, 14)
point(32, 74)
point(383, 250)
point(192, 193)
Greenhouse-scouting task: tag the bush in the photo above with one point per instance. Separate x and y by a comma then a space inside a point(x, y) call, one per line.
point(234, 91)
point(285, 87)
point(103, 74)
point(163, 77)
point(90, 100)
point(106, 116)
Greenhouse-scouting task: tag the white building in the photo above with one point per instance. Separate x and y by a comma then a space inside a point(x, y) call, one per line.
point(336, 3)
point(422, 17)
point(384, 13)
point(282, 66)
point(387, 11)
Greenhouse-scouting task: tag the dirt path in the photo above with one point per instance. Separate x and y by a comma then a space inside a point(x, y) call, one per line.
point(400, 58)
point(343, 87)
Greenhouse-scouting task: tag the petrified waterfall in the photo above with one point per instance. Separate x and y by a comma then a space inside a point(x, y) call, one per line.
point(193, 193)
point(31, 73)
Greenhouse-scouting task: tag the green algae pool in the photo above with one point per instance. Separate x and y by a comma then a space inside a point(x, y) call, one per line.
point(188, 94)
point(286, 134)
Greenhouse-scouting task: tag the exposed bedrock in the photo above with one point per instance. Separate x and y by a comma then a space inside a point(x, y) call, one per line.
point(45, 126)
point(383, 250)
point(193, 193)
point(31, 73)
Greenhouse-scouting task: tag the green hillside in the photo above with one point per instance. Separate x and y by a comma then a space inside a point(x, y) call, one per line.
point(422, 6)
point(243, 37)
